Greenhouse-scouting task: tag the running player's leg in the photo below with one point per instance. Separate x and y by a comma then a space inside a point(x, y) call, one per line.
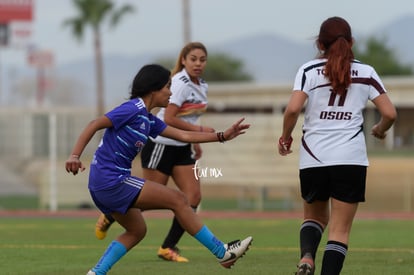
point(160, 161)
point(102, 225)
point(135, 230)
point(348, 189)
point(157, 196)
point(316, 217)
point(342, 216)
point(185, 180)
point(315, 193)
point(168, 250)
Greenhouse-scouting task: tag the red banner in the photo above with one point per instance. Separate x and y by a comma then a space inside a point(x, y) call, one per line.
point(16, 10)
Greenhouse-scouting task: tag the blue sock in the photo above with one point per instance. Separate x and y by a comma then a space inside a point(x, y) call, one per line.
point(113, 253)
point(210, 241)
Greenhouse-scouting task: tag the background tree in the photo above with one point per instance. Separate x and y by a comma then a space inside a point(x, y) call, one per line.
point(220, 68)
point(93, 13)
point(375, 53)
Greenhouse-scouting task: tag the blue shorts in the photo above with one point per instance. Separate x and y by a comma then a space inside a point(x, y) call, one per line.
point(120, 198)
point(342, 182)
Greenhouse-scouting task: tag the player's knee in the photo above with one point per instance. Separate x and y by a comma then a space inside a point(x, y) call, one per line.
point(194, 198)
point(180, 199)
point(138, 232)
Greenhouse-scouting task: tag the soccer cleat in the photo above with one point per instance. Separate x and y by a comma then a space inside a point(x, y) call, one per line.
point(234, 251)
point(90, 272)
point(306, 266)
point(102, 226)
point(171, 254)
point(304, 269)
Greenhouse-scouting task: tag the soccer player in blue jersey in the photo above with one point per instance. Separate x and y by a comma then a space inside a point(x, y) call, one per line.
point(115, 191)
point(162, 157)
point(333, 156)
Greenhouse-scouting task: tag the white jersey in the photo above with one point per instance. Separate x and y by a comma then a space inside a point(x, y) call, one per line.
point(333, 125)
point(191, 100)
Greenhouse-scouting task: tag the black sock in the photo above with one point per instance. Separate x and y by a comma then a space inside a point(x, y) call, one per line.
point(109, 218)
point(333, 258)
point(310, 237)
point(175, 233)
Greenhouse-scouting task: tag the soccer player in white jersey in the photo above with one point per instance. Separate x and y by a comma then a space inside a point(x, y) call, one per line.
point(333, 156)
point(116, 192)
point(163, 157)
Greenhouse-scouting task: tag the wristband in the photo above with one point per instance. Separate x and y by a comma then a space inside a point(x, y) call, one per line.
point(220, 137)
point(286, 144)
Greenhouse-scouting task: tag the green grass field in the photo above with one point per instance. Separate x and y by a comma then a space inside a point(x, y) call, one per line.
point(67, 246)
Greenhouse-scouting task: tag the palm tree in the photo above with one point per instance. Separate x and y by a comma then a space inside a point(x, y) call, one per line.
point(93, 13)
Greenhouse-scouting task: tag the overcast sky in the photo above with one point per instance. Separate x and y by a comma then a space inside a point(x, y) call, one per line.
point(157, 24)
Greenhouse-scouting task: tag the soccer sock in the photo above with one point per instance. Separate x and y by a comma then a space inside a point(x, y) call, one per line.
point(110, 218)
point(175, 233)
point(333, 258)
point(113, 253)
point(310, 237)
point(210, 241)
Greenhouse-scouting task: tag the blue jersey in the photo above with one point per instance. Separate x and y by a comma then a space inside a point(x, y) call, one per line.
point(132, 124)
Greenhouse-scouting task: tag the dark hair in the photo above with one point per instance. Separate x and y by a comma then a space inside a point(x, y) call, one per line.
point(184, 52)
point(150, 78)
point(335, 43)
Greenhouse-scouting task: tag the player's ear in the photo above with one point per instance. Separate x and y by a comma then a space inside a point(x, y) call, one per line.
point(321, 47)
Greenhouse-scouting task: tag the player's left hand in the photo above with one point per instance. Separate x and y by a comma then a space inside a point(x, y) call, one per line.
point(236, 129)
point(376, 132)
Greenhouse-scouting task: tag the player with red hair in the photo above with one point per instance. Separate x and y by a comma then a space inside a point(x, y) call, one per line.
point(333, 157)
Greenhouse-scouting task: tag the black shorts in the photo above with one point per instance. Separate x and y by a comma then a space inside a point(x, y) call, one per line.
point(163, 157)
point(342, 182)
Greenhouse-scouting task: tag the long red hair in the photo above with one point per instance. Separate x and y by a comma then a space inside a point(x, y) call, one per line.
point(335, 43)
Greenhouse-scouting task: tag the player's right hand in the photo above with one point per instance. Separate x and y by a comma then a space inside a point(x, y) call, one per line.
point(73, 165)
point(284, 146)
